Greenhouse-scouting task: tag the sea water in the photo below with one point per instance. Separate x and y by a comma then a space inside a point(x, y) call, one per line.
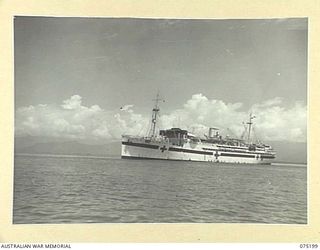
point(76, 189)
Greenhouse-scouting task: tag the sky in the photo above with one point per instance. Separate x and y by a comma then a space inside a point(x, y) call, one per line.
point(72, 76)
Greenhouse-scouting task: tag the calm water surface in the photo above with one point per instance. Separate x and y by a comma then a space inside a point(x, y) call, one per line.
point(71, 189)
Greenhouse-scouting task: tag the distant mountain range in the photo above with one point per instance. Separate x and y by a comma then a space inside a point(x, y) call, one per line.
point(43, 145)
point(286, 151)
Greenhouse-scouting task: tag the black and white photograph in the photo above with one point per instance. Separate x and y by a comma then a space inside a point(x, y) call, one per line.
point(155, 120)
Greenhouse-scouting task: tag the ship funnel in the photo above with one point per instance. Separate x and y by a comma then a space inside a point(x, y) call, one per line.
point(212, 132)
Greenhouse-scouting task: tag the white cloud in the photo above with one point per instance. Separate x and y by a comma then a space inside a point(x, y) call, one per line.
point(72, 119)
point(127, 107)
point(73, 103)
point(273, 121)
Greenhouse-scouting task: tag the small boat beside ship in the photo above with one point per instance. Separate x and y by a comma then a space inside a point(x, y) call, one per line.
point(179, 144)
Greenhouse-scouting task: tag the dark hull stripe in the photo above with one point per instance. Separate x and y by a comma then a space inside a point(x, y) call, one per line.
point(237, 155)
point(267, 157)
point(160, 159)
point(220, 163)
point(142, 145)
point(240, 148)
point(238, 151)
point(190, 151)
point(226, 147)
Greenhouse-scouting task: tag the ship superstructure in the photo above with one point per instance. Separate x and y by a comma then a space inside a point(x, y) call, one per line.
point(179, 144)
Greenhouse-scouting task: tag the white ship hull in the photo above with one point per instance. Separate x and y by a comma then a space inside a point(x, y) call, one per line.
point(192, 152)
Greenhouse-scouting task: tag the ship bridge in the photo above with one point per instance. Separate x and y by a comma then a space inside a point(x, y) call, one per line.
point(179, 136)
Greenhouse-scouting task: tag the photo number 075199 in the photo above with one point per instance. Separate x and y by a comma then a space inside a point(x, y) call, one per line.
point(309, 246)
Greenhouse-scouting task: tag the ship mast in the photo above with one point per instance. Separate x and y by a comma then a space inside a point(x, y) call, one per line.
point(155, 115)
point(251, 117)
